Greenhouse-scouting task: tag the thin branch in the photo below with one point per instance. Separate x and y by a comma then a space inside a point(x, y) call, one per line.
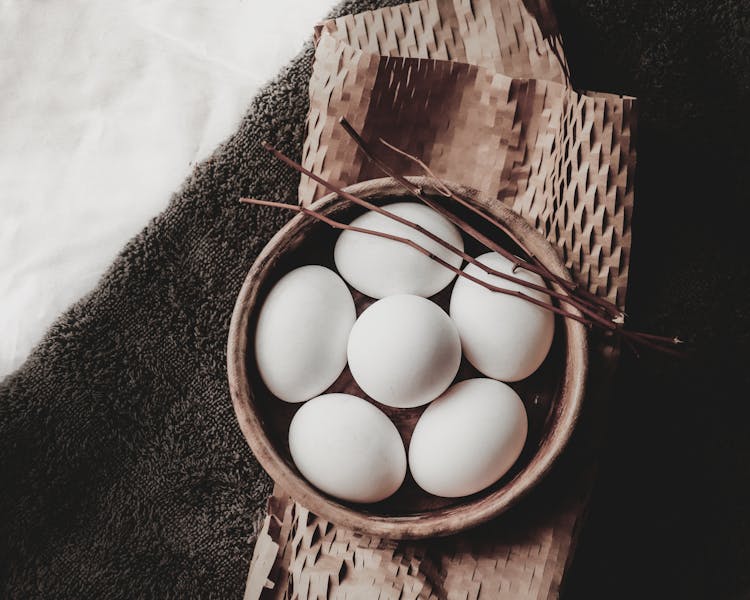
point(612, 311)
point(614, 324)
point(422, 250)
point(572, 301)
point(667, 345)
point(474, 233)
point(536, 266)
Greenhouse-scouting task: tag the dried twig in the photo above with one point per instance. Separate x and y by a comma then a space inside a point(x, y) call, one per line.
point(580, 297)
point(613, 314)
point(535, 266)
point(422, 250)
point(593, 310)
point(564, 297)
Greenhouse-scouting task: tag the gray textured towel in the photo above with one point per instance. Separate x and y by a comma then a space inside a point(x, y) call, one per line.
point(123, 473)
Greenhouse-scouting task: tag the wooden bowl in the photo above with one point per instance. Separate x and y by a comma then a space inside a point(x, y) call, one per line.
point(552, 396)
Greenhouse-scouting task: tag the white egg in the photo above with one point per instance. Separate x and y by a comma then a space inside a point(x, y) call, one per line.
point(302, 332)
point(468, 438)
point(404, 351)
point(379, 267)
point(348, 448)
point(504, 337)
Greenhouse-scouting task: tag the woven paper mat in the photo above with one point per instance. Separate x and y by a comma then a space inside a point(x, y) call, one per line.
point(480, 91)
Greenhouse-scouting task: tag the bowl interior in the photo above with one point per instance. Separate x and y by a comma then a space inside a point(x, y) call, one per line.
point(544, 393)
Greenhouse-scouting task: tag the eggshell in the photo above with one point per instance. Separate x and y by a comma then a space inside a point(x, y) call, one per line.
point(468, 438)
point(404, 351)
point(379, 267)
point(302, 332)
point(348, 448)
point(504, 337)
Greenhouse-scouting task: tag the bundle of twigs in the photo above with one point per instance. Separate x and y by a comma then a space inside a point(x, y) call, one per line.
point(592, 310)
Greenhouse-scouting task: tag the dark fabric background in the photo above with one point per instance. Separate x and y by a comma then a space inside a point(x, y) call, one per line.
point(124, 475)
point(670, 516)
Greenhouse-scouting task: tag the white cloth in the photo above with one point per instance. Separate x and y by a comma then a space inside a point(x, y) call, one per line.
point(105, 106)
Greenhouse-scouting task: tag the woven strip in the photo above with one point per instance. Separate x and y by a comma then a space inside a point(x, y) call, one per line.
point(521, 555)
point(479, 90)
point(503, 36)
point(562, 159)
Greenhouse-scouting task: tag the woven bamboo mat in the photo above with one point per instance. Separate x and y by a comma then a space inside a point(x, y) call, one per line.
point(480, 91)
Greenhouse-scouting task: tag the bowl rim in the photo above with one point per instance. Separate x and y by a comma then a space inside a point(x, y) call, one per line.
point(439, 522)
